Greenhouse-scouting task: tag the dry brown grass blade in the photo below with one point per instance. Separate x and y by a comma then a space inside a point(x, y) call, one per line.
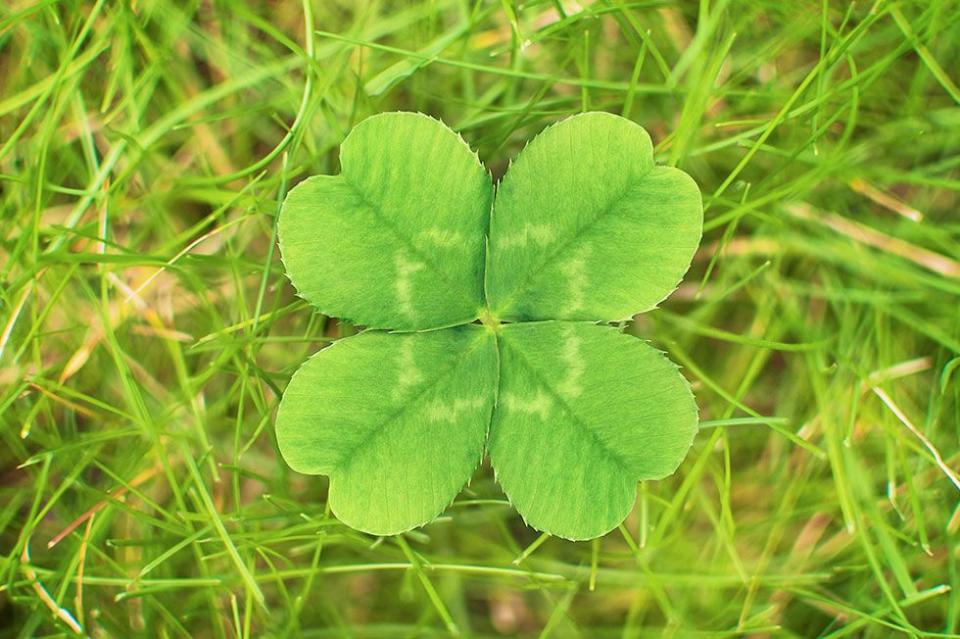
point(100, 505)
point(863, 234)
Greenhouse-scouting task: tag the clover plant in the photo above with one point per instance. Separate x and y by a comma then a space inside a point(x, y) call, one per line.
point(487, 314)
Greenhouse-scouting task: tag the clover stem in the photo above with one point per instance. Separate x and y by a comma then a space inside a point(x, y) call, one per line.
point(489, 320)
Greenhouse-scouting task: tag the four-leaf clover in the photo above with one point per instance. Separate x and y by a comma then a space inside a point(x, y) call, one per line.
point(412, 237)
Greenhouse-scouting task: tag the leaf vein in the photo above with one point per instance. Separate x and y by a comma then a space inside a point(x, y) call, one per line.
point(578, 234)
point(569, 410)
point(378, 213)
point(412, 401)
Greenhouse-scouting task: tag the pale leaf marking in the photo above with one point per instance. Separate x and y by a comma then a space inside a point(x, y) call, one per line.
point(540, 404)
point(573, 359)
point(575, 270)
point(405, 270)
point(450, 411)
point(540, 234)
point(443, 238)
point(408, 375)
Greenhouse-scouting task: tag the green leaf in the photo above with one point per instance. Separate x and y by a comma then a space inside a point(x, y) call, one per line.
point(396, 240)
point(584, 413)
point(398, 422)
point(585, 227)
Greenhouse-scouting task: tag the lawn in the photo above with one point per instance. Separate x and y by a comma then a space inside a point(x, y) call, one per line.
point(147, 327)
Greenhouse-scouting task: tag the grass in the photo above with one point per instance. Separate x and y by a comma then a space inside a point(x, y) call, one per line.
point(147, 329)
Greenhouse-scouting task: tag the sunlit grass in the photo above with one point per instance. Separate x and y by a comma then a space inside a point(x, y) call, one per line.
point(147, 330)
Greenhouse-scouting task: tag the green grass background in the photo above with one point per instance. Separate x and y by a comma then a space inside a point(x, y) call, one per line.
point(147, 329)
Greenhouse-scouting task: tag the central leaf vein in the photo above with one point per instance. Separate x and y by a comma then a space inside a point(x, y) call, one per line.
point(412, 401)
point(565, 406)
point(378, 213)
point(578, 234)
